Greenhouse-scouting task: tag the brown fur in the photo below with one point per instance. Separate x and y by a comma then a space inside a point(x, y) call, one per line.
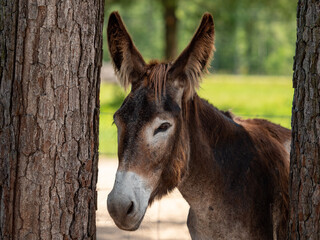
point(270, 139)
point(210, 128)
point(232, 172)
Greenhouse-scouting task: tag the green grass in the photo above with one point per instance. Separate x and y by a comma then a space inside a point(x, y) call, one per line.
point(247, 96)
point(250, 96)
point(111, 97)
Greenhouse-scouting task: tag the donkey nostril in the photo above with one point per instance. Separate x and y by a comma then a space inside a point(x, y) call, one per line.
point(130, 209)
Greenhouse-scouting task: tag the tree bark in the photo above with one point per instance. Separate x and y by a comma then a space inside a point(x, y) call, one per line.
point(305, 152)
point(51, 54)
point(171, 21)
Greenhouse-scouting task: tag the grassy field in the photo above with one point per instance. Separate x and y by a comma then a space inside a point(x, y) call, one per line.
point(266, 97)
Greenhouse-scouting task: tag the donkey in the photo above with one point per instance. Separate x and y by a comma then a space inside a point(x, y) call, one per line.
point(232, 172)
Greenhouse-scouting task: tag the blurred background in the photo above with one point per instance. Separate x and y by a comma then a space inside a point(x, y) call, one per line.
point(250, 75)
point(252, 36)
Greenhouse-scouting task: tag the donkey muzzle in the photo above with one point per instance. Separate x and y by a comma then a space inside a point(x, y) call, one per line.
point(128, 200)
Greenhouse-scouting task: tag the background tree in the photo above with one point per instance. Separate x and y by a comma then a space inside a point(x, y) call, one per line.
point(49, 113)
point(170, 21)
point(305, 153)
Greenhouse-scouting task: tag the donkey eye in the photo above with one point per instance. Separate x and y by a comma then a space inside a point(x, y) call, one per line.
point(162, 128)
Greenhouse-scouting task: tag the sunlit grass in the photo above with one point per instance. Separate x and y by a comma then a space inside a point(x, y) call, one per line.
point(247, 96)
point(250, 96)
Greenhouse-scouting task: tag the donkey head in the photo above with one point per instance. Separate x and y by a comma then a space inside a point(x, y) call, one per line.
point(153, 139)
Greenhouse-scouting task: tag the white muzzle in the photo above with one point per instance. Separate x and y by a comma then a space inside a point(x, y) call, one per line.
point(128, 200)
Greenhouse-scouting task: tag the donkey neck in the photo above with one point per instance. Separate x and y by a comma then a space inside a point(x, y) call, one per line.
point(207, 127)
point(216, 185)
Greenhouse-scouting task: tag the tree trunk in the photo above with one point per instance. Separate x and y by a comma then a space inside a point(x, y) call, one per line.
point(305, 153)
point(49, 118)
point(170, 19)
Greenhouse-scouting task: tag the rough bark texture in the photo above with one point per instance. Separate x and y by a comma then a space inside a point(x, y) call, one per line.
point(305, 152)
point(170, 19)
point(49, 112)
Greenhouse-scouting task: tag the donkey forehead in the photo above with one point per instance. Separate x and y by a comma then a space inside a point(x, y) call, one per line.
point(141, 105)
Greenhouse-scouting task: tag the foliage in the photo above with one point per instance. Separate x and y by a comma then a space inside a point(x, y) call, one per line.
point(247, 96)
point(251, 36)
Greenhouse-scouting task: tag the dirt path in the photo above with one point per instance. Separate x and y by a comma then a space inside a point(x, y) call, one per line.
point(165, 219)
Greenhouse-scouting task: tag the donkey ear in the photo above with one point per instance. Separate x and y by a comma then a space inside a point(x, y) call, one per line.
point(127, 61)
point(193, 61)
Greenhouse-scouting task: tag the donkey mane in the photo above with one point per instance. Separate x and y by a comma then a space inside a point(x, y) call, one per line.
point(156, 77)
